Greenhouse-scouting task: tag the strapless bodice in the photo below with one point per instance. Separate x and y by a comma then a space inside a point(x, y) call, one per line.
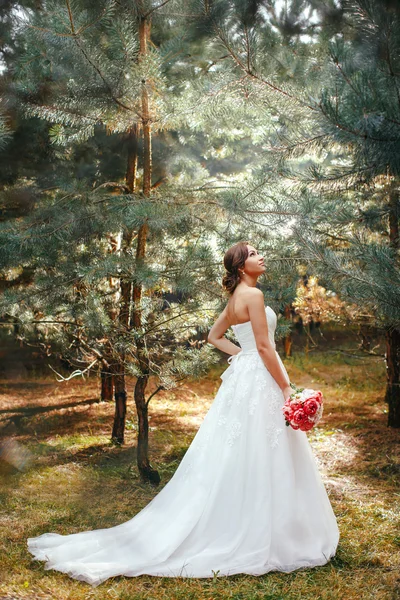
point(245, 335)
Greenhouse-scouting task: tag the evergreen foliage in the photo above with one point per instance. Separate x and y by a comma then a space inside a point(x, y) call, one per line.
point(332, 164)
point(93, 294)
point(5, 133)
point(148, 137)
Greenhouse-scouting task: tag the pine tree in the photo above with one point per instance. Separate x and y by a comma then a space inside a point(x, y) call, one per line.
point(352, 231)
point(332, 166)
point(126, 256)
point(85, 68)
point(257, 53)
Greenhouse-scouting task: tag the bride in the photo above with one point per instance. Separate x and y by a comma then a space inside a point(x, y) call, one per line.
point(247, 496)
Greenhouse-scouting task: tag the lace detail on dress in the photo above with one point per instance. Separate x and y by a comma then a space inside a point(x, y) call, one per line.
point(260, 385)
point(229, 390)
point(253, 362)
point(235, 430)
point(254, 402)
point(222, 421)
point(274, 401)
point(242, 390)
point(273, 432)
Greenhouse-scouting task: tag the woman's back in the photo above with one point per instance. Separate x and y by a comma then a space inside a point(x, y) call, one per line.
point(238, 306)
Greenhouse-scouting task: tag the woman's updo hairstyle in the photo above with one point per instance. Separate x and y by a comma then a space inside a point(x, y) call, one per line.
point(234, 260)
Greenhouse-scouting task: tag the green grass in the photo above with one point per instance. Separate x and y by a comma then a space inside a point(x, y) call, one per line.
point(78, 480)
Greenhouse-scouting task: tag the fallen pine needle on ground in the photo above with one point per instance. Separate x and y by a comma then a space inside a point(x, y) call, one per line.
point(62, 474)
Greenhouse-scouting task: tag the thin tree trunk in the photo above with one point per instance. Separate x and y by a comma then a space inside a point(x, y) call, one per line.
point(132, 162)
point(146, 471)
point(118, 374)
point(107, 377)
point(131, 170)
point(393, 376)
point(120, 404)
point(287, 342)
point(107, 386)
point(392, 396)
point(125, 292)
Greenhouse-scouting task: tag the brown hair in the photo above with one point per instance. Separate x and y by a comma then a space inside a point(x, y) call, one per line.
point(234, 259)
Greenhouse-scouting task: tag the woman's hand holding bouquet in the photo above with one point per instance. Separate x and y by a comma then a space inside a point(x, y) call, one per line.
point(303, 409)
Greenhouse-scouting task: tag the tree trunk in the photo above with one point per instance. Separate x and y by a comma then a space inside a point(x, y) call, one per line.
point(132, 161)
point(107, 386)
point(144, 36)
point(147, 473)
point(287, 342)
point(118, 431)
point(118, 374)
point(393, 376)
point(125, 292)
point(126, 285)
point(392, 396)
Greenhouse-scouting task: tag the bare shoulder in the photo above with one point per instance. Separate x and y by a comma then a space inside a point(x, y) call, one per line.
point(253, 300)
point(255, 296)
point(254, 291)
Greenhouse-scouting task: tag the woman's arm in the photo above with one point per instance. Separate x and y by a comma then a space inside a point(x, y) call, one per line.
point(265, 348)
point(216, 335)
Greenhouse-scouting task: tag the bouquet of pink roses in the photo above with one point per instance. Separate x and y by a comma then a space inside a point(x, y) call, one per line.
point(303, 409)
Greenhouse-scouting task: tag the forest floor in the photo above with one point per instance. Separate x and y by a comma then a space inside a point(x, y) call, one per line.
point(74, 479)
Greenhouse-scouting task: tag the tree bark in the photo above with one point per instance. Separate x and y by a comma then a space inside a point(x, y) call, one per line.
point(132, 162)
point(118, 431)
point(144, 36)
point(125, 293)
point(146, 471)
point(131, 170)
point(107, 386)
point(393, 376)
point(392, 396)
point(118, 374)
point(287, 342)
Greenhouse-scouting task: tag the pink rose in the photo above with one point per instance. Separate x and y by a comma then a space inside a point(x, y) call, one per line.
point(311, 406)
point(307, 425)
point(315, 395)
point(299, 416)
point(288, 412)
point(296, 405)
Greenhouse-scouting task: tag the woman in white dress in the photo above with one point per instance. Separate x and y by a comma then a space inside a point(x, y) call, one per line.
point(247, 497)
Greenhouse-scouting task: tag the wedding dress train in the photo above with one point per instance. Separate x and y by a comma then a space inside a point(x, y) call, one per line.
point(246, 498)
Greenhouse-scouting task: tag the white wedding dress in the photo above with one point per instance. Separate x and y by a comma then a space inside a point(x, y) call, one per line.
point(246, 498)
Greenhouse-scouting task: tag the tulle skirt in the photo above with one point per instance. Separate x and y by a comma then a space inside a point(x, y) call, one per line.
point(246, 498)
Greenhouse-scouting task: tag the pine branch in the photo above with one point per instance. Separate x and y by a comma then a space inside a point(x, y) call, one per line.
point(159, 388)
point(249, 72)
point(391, 71)
point(146, 15)
point(355, 132)
point(93, 65)
point(74, 374)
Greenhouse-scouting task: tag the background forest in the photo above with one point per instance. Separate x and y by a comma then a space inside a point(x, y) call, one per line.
point(139, 139)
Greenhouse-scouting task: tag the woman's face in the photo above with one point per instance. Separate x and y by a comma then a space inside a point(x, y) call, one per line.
point(254, 263)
